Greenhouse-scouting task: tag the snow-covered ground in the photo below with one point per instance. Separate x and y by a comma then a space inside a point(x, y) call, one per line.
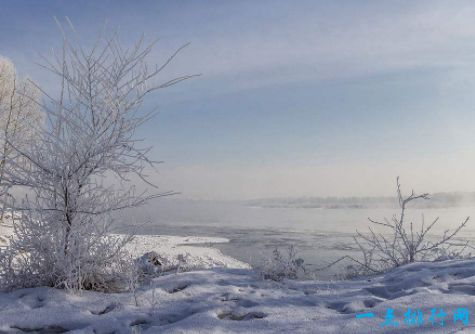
point(224, 296)
point(237, 301)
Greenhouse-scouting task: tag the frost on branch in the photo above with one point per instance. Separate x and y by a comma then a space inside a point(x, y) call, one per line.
point(399, 241)
point(403, 242)
point(282, 265)
point(79, 171)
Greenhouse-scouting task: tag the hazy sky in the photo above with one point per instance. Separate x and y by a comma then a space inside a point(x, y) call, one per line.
point(297, 97)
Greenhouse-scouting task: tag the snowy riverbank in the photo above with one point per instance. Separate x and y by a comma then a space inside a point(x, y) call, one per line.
point(224, 296)
point(190, 250)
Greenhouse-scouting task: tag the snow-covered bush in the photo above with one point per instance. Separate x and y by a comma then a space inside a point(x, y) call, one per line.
point(79, 170)
point(283, 265)
point(404, 242)
point(149, 264)
point(452, 251)
point(152, 264)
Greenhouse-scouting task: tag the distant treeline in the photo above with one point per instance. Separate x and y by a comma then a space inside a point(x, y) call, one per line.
point(437, 200)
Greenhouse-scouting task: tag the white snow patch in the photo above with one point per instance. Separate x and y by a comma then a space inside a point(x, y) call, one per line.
point(181, 251)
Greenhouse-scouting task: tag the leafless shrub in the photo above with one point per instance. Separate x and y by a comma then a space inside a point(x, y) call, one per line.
point(402, 242)
point(283, 265)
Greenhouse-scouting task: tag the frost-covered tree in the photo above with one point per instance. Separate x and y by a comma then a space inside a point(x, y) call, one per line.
point(18, 112)
point(80, 170)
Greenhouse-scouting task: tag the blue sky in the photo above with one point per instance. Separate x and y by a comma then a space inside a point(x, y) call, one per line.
point(296, 98)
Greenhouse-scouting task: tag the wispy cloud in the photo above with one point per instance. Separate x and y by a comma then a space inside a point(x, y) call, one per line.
point(316, 42)
point(296, 98)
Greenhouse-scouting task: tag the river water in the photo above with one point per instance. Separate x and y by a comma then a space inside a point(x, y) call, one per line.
point(319, 235)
